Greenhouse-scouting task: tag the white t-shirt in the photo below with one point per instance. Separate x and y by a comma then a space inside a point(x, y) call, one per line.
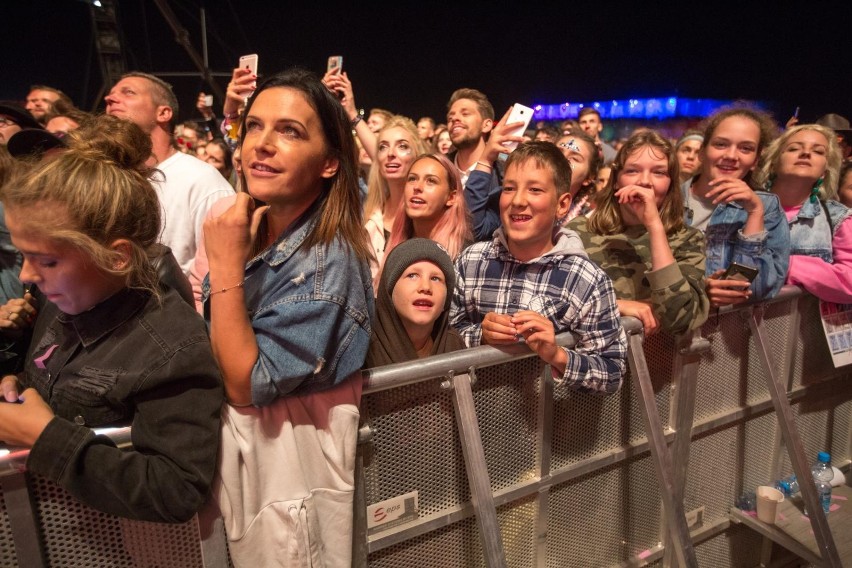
point(187, 188)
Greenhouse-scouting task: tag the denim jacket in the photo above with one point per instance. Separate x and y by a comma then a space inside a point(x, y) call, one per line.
point(135, 358)
point(811, 234)
point(769, 252)
point(310, 311)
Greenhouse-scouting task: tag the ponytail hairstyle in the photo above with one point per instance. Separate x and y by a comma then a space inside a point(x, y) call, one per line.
point(339, 203)
point(93, 193)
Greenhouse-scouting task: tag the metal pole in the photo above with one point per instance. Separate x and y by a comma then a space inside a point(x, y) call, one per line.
point(204, 38)
point(793, 443)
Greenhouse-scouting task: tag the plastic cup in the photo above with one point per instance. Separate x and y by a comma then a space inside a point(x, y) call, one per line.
point(767, 503)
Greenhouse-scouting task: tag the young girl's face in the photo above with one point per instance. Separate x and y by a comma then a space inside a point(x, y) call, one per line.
point(395, 152)
point(731, 152)
point(647, 167)
point(444, 142)
point(579, 155)
point(427, 191)
point(64, 274)
point(284, 154)
point(804, 156)
point(419, 295)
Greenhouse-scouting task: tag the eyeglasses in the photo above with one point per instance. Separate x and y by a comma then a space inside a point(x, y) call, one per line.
point(4, 122)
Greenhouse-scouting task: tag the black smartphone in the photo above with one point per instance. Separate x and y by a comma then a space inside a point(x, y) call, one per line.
point(737, 271)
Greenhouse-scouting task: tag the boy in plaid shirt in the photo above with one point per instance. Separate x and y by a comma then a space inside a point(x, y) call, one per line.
point(534, 280)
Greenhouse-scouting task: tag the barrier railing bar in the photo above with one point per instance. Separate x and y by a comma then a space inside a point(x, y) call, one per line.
point(685, 378)
point(211, 534)
point(793, 443)
point(22, 521)
point(660, 457)
point(544, 450)
point(477, 471)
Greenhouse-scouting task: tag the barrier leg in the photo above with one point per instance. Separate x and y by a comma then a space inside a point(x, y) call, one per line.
point(673, 508)
point(22, 519)
point(685, 372)
point(477, 471)
point(793, 443)
point(211, 532)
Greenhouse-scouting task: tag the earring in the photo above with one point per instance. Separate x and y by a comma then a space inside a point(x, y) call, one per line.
point(815, 190)
point(767, 185)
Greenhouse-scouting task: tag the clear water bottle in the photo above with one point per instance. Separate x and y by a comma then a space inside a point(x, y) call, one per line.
point(823, 474)
point(789, 486)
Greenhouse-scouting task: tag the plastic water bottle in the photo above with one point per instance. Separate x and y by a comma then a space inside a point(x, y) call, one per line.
point(823, 474)
point(789, 486)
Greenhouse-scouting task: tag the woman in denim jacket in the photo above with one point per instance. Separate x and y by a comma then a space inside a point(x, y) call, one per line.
point(802, 168)
point(289, 301)
point(741, 225)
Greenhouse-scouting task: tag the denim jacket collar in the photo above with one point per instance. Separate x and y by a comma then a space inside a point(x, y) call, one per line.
point(92, 325)
point(809, 210)
point(290, 240)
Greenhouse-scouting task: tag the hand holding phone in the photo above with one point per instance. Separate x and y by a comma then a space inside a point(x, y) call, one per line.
point(520, 113)
point(737, 271)
point(335, 64)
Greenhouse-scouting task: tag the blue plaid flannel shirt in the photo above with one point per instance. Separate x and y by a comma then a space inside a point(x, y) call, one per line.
point(567, 288)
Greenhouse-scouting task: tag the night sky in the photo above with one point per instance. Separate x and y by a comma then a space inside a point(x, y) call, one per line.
point(409, 56)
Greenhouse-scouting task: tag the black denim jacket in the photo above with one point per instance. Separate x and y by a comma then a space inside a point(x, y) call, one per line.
point(128, 359)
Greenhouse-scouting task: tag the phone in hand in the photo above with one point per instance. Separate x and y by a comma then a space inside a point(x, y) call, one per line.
point(335, 63)
point(519, 113)
point(796, 113)
point(249, 62)
point(742, 272)
point(208, 100)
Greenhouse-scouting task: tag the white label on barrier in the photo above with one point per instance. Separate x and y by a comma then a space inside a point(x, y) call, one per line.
point(392, 512)
point(837, 324)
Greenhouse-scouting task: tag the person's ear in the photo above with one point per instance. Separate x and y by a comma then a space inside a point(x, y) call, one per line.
point(451, 199)
point(330, 168)
point(124, 251)
point(164, 114)
point(487, 125)
point(563, 204)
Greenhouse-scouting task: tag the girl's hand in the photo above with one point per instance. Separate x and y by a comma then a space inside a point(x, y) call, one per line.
point(22, 424)
point(641, 201)
point(727, 190)
point(18, 314)
point(339, 84)
point(726, 292)
point(498, 329)
point(9, 388)
point(242, 85)
point(641, 311)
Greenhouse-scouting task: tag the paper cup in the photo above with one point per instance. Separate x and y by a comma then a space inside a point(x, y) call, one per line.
point(767, 503)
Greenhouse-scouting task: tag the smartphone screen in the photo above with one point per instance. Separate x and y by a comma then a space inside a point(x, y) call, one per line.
point(742, 272)
point(335, 63)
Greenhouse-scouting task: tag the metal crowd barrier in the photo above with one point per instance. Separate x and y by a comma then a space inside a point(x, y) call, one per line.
point(485, 463)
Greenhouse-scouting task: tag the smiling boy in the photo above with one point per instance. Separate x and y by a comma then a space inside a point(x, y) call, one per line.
point(534, 280)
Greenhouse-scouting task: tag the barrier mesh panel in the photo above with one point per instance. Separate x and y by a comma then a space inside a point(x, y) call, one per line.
point(517, 529)
point(604, 517)
point(415, 447)
point(452, 546)
point(7, 545)
point(507, 402)
point(738, 547)
point(75, 535)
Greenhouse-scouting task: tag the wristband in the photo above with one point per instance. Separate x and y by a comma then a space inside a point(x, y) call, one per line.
point(232, 116)
point(358, 118)
point(485, 165)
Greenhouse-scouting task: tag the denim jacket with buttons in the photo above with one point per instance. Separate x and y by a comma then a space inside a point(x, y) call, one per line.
point(310, 311)
point(769, 252)
point(811, 234)
point(130, 358)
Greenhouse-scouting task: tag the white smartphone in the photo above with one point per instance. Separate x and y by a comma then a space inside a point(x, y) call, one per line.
point(520, 113)
point(249, 62)
point(208, 100)
point(335, 62)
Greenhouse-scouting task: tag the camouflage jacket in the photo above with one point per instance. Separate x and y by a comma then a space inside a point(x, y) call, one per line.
point(676, 291)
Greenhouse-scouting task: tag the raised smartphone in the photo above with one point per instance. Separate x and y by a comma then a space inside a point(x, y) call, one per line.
point(249, 62)
point(520, 113)
point(335, 63)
